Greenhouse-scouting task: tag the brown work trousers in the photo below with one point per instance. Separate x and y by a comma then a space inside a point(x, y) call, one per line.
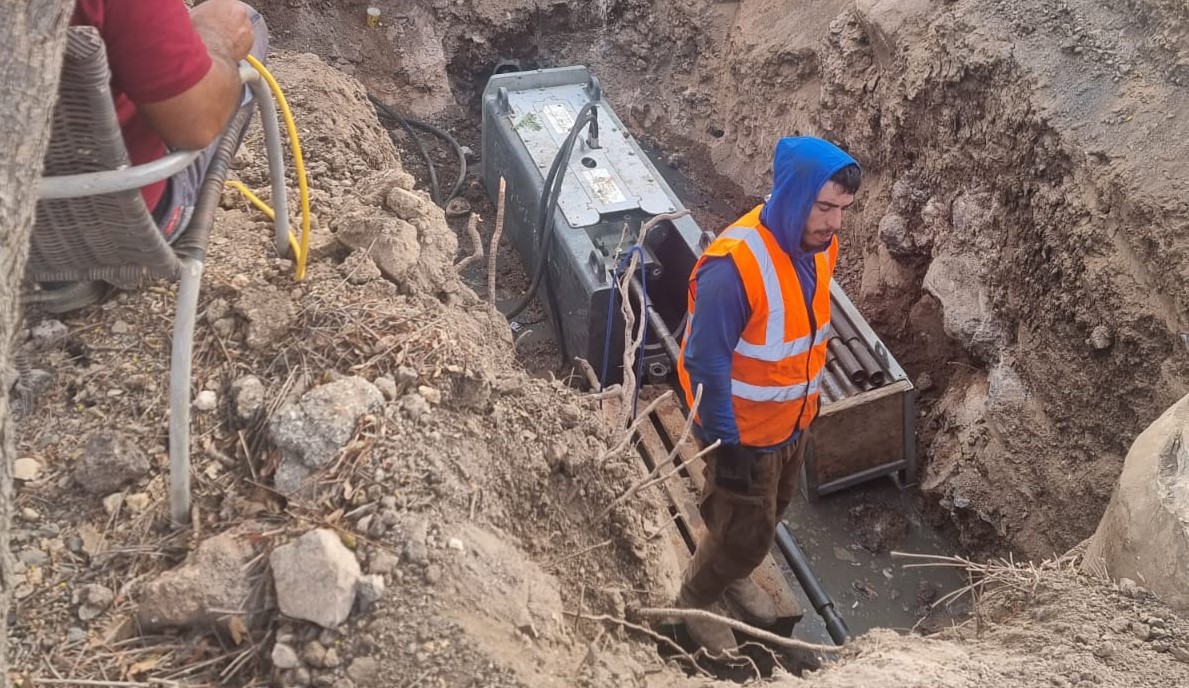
point(741, 527)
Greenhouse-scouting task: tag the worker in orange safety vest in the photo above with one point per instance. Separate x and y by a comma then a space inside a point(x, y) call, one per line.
point(755, 344)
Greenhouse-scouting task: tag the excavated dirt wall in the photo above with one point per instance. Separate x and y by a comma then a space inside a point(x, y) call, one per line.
point(1021, 240)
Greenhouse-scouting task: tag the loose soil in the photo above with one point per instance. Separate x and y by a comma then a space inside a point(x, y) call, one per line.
point(1045, 146)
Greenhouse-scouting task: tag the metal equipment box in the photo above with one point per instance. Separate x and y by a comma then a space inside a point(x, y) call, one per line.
point(607, 193)
point(866, 428)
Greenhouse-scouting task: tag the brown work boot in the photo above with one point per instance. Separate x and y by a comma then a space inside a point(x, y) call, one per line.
point(713, 636)
point(756, 605)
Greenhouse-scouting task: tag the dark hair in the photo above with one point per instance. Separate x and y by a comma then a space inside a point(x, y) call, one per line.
point(848, 178)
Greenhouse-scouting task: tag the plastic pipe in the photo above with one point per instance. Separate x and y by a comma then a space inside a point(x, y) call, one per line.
point(818, 597)
point(114, 181)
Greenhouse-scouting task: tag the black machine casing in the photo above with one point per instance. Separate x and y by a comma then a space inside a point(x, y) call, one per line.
point(608, 192)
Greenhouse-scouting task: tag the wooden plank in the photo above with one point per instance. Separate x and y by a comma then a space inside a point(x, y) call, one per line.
point(860, 432)
point(767, 575)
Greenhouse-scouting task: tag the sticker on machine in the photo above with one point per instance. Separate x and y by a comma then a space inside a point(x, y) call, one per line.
point(604, 186)
point(559, 117)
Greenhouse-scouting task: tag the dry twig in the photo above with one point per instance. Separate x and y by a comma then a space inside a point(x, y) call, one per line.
point(668, 642)
point(612, 392)
point(109, 684)
point(772, 638)
point(476, 243)
point(652, 478)
point(495, 241)
point(588, 372)
point(577, 554)
point(631, 431)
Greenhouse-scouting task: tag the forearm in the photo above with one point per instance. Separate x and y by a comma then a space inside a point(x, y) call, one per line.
point(720, 314)
point(225, 85)
point(222, 34)
point(716, 414)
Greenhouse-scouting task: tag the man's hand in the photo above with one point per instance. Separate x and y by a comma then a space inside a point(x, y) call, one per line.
point(192, 120)
point(225, 28)
point(733, 465)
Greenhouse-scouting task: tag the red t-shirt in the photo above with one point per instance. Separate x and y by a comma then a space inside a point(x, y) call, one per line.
point(155, 55)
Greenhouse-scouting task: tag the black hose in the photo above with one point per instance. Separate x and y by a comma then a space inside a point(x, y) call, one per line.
point(818, 597)
point(407, 123)
point(548, 209)
point(386, 111)
point(462, 158)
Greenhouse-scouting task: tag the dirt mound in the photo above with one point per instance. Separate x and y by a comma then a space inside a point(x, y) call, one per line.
point(1037, 626)
point(473, 490)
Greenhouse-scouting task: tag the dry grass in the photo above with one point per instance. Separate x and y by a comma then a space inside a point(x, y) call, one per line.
point(990, 582)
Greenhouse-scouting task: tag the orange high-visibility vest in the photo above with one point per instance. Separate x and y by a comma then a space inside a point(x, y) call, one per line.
point(777, 366)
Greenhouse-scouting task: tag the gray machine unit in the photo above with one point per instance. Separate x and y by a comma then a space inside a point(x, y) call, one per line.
point(608, 191)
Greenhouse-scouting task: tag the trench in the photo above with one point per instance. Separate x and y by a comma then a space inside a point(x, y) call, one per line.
point(847, 536)
point(841, 532)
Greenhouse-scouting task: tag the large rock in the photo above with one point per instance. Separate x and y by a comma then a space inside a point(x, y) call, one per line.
point(315, 578)
point(215, 577)
point(1144, 534)
point(110, 461)
point(311, 431)
point(955, 281)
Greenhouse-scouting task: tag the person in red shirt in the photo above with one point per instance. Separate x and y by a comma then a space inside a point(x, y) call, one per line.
point(175, 82)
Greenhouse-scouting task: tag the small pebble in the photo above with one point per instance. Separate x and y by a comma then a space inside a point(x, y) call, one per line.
point(430, 394)
point(113, 502)
point(26, 469)
point(206, 401)
point(137, 502)
point(284, 657)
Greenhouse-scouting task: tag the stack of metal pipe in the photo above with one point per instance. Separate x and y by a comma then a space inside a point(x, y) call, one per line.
point(851, 365)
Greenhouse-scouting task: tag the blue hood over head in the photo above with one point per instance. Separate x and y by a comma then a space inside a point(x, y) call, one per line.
point(801, 167)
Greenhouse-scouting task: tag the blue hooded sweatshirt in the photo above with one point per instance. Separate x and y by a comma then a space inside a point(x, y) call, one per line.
point(801, 167)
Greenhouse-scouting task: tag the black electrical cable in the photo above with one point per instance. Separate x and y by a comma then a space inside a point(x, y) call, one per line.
point(406, 123)
point(462, 158)
point(386, 111)
point(548, 208)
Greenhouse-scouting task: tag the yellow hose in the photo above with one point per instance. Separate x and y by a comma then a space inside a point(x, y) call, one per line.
point(300, 249)
point(264, 208)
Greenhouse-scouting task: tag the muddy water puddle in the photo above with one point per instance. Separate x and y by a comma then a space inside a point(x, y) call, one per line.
point(848, 537)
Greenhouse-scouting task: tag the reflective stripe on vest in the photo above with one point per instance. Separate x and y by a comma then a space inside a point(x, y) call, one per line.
point(775, 348)
point(789, 393)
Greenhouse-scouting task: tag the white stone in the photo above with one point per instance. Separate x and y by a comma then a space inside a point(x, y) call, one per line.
point(137, 502)
point(315, 577)
point(284, 657)
point(113, 502)
point(430, 394)
point(206, 401)
point(26, 469)
point(456, 544)
point(387, 386)
point(370, 588)
point(247, 394)
point(310, 432)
